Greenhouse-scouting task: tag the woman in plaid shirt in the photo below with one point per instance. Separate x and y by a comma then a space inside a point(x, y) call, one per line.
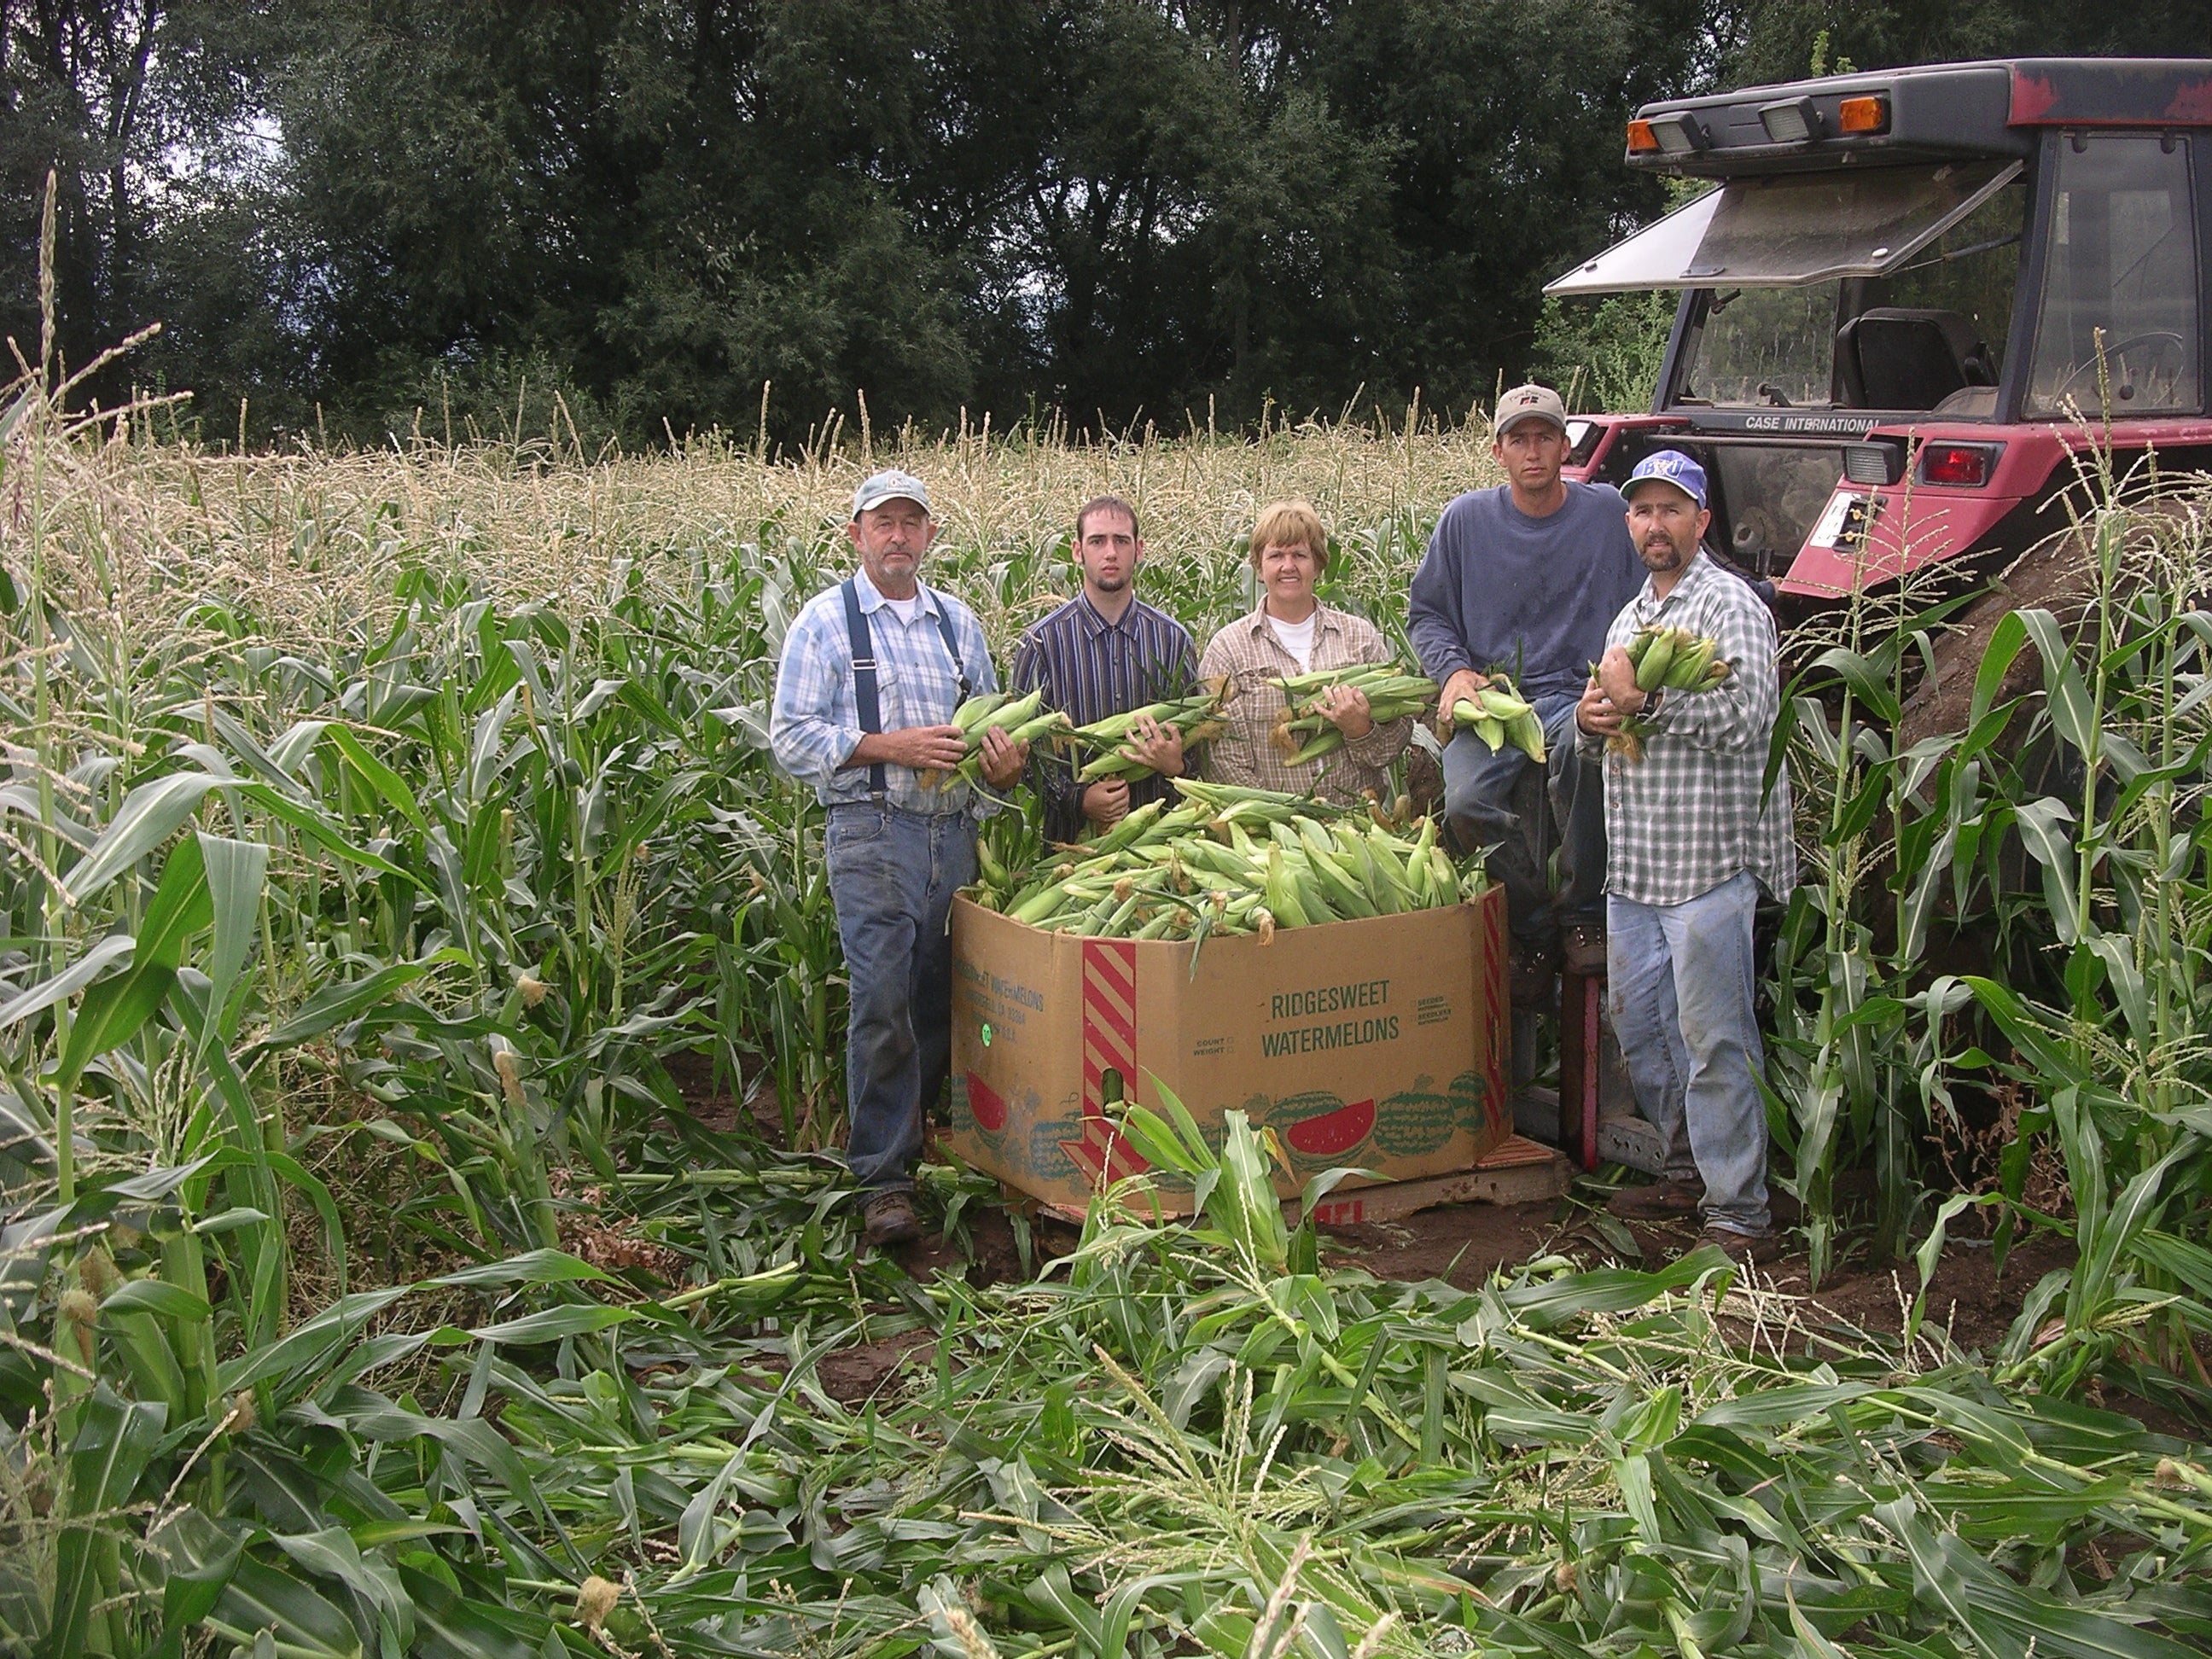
point(1292, 633)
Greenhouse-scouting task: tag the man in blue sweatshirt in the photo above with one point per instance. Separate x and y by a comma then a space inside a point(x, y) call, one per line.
point(1526, 578)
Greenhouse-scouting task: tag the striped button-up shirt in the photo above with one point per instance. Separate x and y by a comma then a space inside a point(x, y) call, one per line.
point(1693, 810)
point(1249, 654)
point(815, 722)
point(1090, 668)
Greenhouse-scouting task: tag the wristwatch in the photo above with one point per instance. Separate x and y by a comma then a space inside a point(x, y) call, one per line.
point(1651, 701)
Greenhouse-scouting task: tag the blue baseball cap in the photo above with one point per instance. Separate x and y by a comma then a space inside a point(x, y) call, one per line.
point(1668, 466)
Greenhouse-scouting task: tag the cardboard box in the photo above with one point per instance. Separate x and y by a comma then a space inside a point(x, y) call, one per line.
point(1380, 1044)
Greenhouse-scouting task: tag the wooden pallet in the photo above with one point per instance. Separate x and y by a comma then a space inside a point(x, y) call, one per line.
point(1517, 1170)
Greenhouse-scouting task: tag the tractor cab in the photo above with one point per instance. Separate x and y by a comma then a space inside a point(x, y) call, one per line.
point(1911, 298)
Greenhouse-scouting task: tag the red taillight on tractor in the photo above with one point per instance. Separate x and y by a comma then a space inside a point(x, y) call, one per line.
point(1965, 466)
point(1858, 117)
point(1642, 141)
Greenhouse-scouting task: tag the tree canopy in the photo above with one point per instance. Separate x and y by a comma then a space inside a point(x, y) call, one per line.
point(346, 211)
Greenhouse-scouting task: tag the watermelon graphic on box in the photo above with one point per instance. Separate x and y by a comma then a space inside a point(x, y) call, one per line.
point(1320, 1131)
point(1416, 1120)
point(986, 1110)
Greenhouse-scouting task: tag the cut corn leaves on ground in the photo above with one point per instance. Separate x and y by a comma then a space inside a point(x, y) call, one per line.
point(1670, 659)
point(1229, 859)
point(1499, 714)
point(1024, 720)
point(1302, 733)
point(1197, 716)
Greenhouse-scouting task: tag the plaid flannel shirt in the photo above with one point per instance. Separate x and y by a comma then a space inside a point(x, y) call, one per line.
point(1249, 653)
point(1690, 814)
point(814, 725)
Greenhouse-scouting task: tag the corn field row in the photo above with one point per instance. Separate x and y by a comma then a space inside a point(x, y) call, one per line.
point(378, 828)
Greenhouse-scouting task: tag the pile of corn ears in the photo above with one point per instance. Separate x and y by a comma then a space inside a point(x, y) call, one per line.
point(1229, 860)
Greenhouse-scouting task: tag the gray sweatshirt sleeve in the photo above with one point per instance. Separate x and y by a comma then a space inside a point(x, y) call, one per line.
point(1434, 606)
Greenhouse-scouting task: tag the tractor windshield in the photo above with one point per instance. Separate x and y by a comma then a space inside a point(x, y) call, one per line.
point(1795, 229)
point(2118, 325)
point(1928, 335)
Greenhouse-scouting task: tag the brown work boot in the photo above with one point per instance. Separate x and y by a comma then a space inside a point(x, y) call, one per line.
point(1662, 1201)
point(890, 1219)
point(1582, 947)
point(1745, 1249)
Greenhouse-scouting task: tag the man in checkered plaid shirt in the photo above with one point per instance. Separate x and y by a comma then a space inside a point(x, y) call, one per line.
point(1693, 837)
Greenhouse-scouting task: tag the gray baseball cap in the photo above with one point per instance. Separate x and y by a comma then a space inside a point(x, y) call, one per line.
point(1528, 403)
point(890, 486)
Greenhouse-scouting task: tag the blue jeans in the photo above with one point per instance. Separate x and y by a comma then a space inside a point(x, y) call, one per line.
point(892, 875)
point(1479, 785)
point(1680, 979)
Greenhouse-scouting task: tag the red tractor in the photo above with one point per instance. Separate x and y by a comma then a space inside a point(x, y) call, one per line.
point(1915, 298)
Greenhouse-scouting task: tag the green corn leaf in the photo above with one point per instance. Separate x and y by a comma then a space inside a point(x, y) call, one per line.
point(546, 1267)
point(259, 1599)
point(189, 1594)
point(1868, 681)
point(150, 815)
point(2045, 830)
point(331, 1552)
point(388, 784)
point(155, 1296)
point(236, 872)
point(551, 1324)
point(115, 1439)
point(114, 1008)
point(105, 953)
point(2006, 642)
point(2066, 697)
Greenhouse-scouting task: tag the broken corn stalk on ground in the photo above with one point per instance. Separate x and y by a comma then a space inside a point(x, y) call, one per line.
point(1302, 733)
point(1227, 859)
point(1670, 659)
point(1499, 714)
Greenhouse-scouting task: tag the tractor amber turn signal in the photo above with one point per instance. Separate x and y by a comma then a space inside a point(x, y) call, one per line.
point(1860, 116)
point(1642, 141)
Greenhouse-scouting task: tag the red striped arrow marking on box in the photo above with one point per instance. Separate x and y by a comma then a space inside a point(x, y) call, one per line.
point(1110, 1043)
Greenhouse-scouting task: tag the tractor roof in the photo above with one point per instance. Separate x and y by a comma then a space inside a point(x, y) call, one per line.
point(1937, 111)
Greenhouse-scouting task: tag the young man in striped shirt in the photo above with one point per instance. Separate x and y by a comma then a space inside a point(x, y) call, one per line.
point(1106, 651)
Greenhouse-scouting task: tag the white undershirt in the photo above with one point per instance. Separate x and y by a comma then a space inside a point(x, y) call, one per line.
point(1297, 637)
point(906, 610)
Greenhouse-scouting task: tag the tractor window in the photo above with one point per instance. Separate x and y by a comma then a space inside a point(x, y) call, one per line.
point(1929, 334)
point(2122, 264)
point(1764, 347)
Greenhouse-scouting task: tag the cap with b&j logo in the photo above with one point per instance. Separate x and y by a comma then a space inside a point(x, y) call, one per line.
point(1667, 466)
